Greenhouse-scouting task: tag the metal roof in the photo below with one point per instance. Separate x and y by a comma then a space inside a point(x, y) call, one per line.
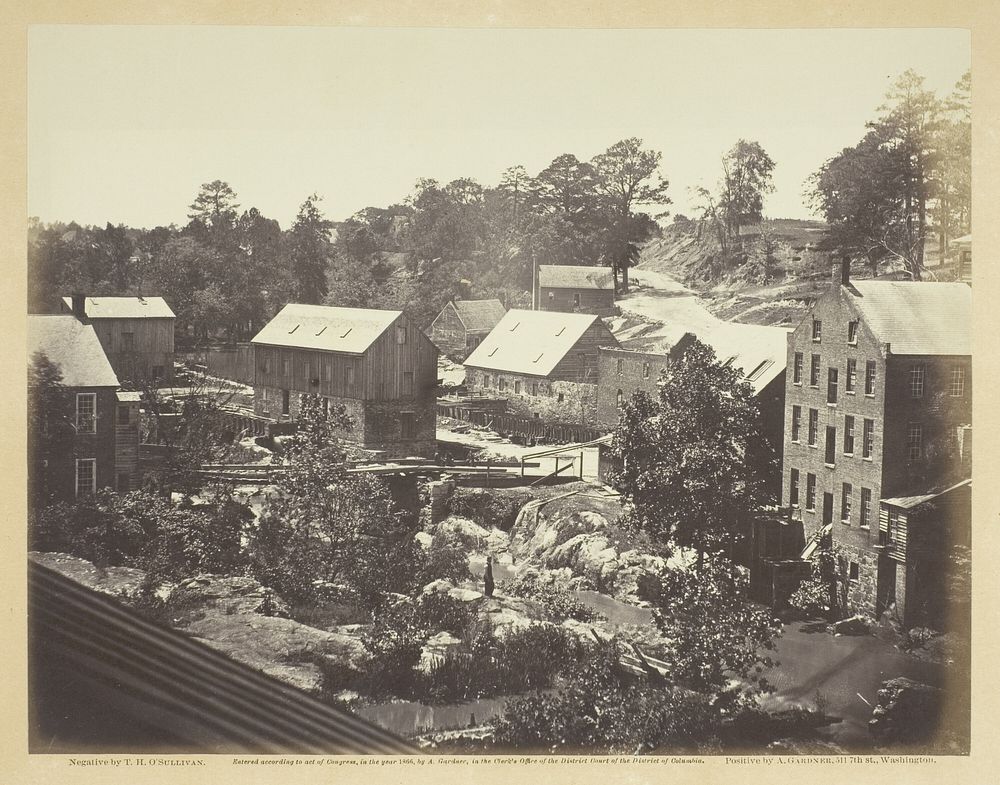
point(760, 351)
point(479, 315)
point(74, 347)
point(917, 317)
point(326, 328)
point(569, 276)
point(124, 307)
point(102, 673)
point(909, 502)
point(530, 342)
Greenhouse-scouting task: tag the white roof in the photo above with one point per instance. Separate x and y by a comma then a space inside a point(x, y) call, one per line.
point(73, 346)
point(759, 351)
point(530, 342)
point(574, 276)
point(124, 307)
point(917, 317)
point(326, 328)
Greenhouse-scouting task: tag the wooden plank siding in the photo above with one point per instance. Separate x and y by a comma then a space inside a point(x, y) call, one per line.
point(580, 363)
point(596, 301)
point(377, 375)
point(152, 345)
point(127, 448)
point(897, 548)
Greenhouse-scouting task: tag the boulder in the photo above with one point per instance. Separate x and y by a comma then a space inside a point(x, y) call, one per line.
point(908, 714)
point(855, 625)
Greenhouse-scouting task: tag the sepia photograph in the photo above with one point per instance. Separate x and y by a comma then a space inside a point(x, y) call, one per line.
point(494, 392)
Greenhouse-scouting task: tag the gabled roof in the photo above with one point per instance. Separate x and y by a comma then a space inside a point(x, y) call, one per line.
point(74, 347)
point(124, 307)
point(909, 502)
point(569, 276)
point(759, 351)
point(326, 328)
point(530, 342)
point(479, 315)
point(917, 317)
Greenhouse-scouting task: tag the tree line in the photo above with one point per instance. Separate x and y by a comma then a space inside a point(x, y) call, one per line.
point(227, 271)
point(907, 182)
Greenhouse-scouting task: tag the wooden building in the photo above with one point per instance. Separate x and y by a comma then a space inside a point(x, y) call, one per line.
point(575, 289)
point(376, 364)
point(963, 270)
point(137, 334)
point(462, 325)
point(83, 437)
point(878, 405)
point(544, 364)
point(916, 536)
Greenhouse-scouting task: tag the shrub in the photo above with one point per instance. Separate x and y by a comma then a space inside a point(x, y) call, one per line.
point(489, 508)
point(559, 602)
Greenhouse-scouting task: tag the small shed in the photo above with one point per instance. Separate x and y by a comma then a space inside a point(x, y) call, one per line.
point(463, 324)
point(576, 289)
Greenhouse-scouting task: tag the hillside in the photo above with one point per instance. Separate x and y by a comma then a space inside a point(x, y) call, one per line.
point(771, 279)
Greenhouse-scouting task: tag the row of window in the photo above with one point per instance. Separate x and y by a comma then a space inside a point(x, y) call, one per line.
point(620, 368)
point(867, 438)
point(306, 370)
point(521, 388)
point(846, 500)
point(917, 375)
point(852, 331)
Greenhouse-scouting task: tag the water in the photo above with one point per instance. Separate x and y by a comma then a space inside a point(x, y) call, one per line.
point(409, 718)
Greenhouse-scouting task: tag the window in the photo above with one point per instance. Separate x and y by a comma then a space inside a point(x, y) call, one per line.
point(831, 385)
point(870, 377)
point(400, 333)
point(868, 439)
point(286, 366)
point(848, 435)
point(349, 375)
point(486, 380)
point(86, 476)
point(852, 376)
point(552, 296)
point(796, 420)
point(914, 439)
point(407, 425)
point(534, 388)
point(893, 526)
point(831, 445)
point(407, 382)
point(852, 331)
point(517, 387)
point(814, 371)
point(811, 492)
point(621, 399)
point(286, 402)
point(620, 366)
point(124, 414)
point(501, 383)
point(817, 330)
point(813, 426)
point(559, 398)
point(916, 381)
point(845, 502)
point(957, 387)
point(793, 488)
point(853, 572)
point(307, 371)
point(265, 366)
point(128, 342)
point(866, 507)
point(576, 300)
point(645, 370)
point(86, 412)
point(797, 369)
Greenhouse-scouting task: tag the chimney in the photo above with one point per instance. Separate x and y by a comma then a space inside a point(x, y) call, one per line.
point(841, 272)
point(79, 306)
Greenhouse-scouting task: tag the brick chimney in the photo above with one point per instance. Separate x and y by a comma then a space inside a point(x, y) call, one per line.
point(841, 272)
point(79, 305)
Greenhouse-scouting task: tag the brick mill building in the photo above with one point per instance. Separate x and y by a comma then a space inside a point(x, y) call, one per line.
point(877, 407)
point(85, 435)
point(576, 289)
point(376, 364)
point(463, 324)
point(544, 363)
point(137, 334)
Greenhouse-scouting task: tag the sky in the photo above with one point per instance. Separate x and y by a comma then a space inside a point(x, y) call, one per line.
point(125, 123)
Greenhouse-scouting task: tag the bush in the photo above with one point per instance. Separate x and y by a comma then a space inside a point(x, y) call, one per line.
point(394, 643)
point(489, 508)
point(559, 602)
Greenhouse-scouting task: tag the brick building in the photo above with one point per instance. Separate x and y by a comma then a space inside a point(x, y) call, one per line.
point(137, 334)
point(621, 373)
point(376, 364)
point(462, 325)
point(85, 436)
point(576, 289)
point(544, 364)
point(877, 404)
